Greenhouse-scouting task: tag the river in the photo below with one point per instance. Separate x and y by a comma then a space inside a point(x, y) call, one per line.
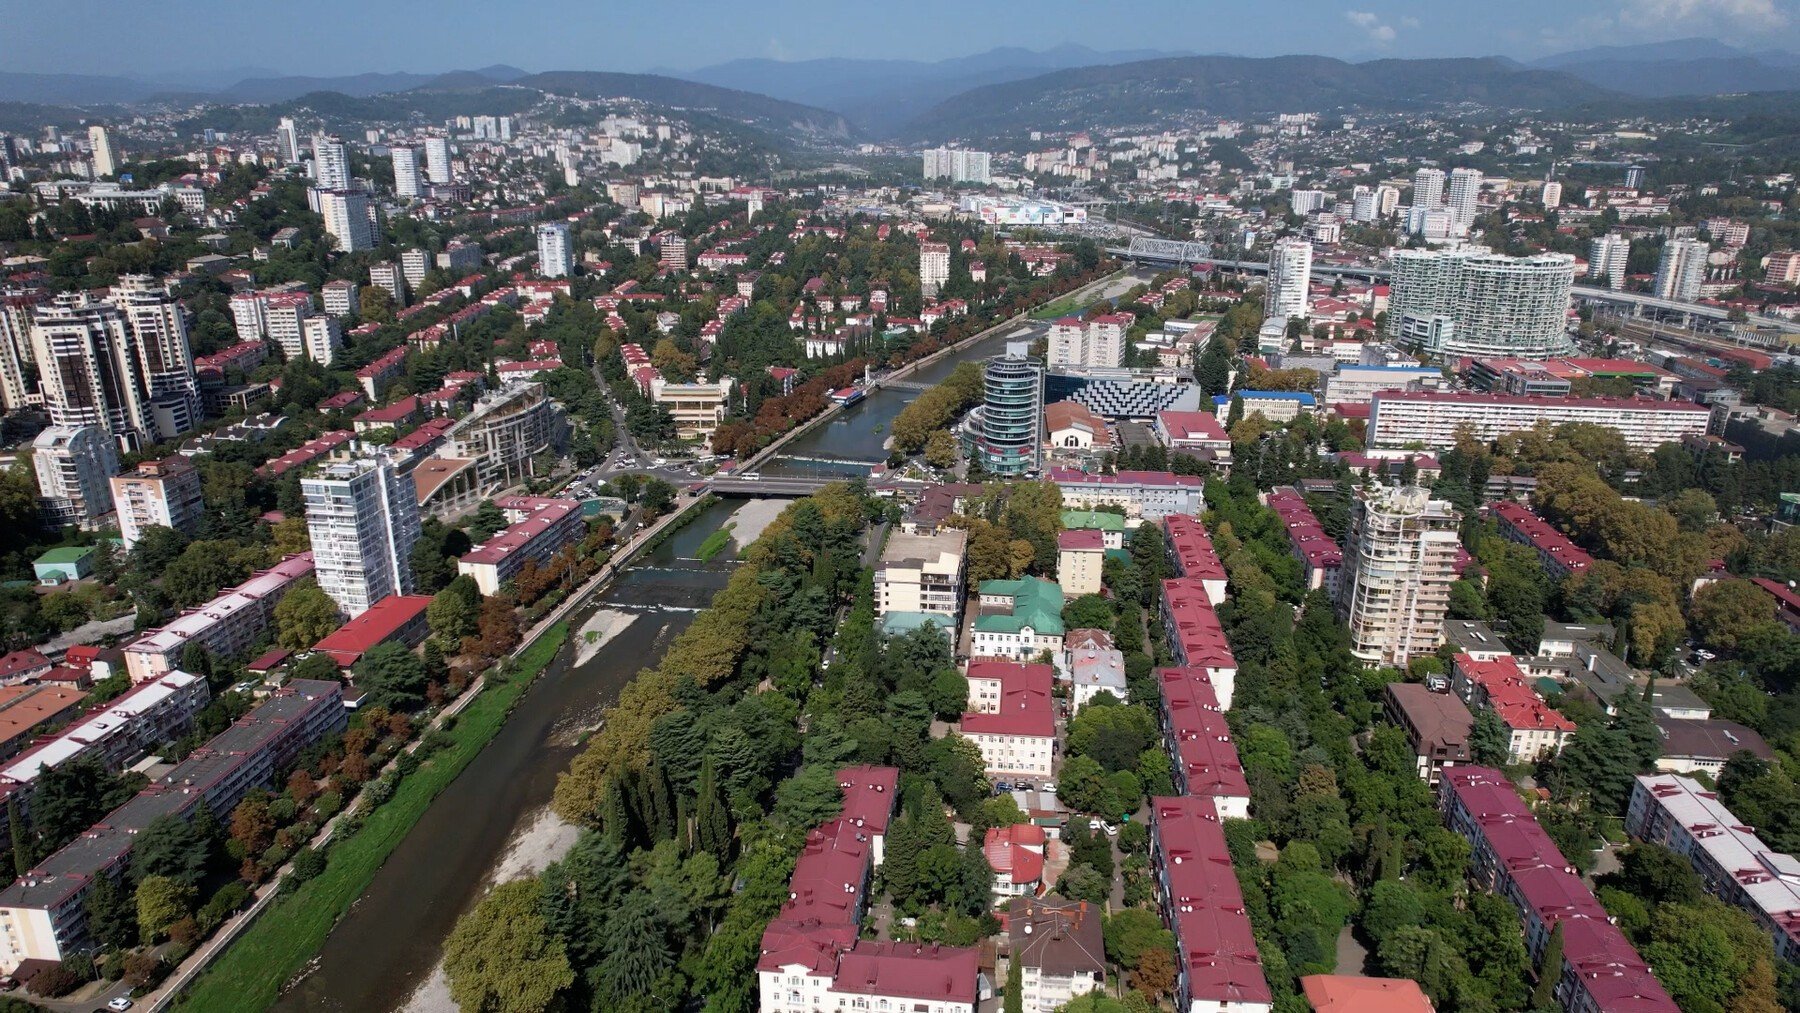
point(493, 822)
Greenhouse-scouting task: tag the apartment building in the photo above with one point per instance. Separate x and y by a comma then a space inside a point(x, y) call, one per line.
point(1321, 558)
point(1093, 668)
point(1096, 343)
point(1735, 865)
point(870, 796)
point(74, 468)
point(1079, 555)
point(145, 717)
point(396, 619)
point(1221, 971)
point(1471, 301)
point(934, 267)
point(1559, 556)
point(1513, 857)
point(1431, 420)
point(1437, 725)
point(163, 493)
point(42, 914)
point(920, 578)
point(226, 626)
point(1016, 732)
point(27, 708)
point(541, 527)
point(1202, 755)
point(363, 518)
point(1399, 561)
point(1195, 638)
point(1191, 553)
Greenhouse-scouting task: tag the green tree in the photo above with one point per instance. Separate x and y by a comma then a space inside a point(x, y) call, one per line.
point(1489, 741)
point(1543, 994)
point(1711, 956)
point(455, 612)
point(809, 798)
point(161, 902)
point(305, 615)
point(501, 957)
point(392, 676)
point(111, 914)
point(170, 847)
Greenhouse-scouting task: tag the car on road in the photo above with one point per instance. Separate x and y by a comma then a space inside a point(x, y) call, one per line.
point(119, 1005)
point(1048, 786)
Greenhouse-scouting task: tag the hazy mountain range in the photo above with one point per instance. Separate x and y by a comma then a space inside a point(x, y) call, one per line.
point(1008, 90)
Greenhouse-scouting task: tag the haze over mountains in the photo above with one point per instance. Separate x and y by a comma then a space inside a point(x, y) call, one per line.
point(1008, 90)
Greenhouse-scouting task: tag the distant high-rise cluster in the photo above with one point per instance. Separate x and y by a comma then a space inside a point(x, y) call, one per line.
point(121, 364)
point(106, 157)
point(958, 165)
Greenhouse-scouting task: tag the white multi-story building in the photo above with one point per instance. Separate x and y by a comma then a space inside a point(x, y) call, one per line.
point(1464, 194)
point(1682, 269)
point(1290, 272)
point(1399, 562)
point(331, 162)
point(415, 264)
point(1094, 344)
point(1018, 736)
point(556, 251)
point(1551, 197)
point(363, 517)
point(320, 339)
point(158, 324)
point(1400, 419)
point(341, 297)
point(1305, 202)
point(1473, 302)
point(922, 575)
point(227, 626)
point(106, 158)
point(437, 160)
point(348, 220)
point(407, 179)
point(1607, 257)
point(1733, 862)
point(1427, 188)
point(934, 267)
point(958, 165)
point(162, 493)
point(74, 468)
point(697, 408)
point(90, 371)
point(391, 276)
point(287, 140)
point(503, 433)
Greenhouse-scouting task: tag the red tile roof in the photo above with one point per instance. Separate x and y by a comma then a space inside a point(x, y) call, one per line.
point(1025, 707)
point(1192, 548)
point(1213, 941)
point(1206, 757)
point(869, 795)
point(381, 623)
point(1517, 703)
point(1016, 853)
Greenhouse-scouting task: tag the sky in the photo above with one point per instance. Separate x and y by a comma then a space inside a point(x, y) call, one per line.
point(207, 38)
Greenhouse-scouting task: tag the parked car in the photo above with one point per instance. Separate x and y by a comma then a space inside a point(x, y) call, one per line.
point(1049, 786)
point(119, 1005)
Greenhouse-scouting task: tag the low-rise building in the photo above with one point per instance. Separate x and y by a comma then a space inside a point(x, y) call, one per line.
point(1151, 495)
point(1110, 525)
point(870, 795)
point(1016, 854)
point(1533, 728)
point(1215, 950)
point(1431, 419)
point(1349, 993)
point(146, 716)
point(1702, 746)
point(1195, 637)
point(1018, 619)
point(1094, 670)
point(1437, 725)
point(396, 619)
point(1274, 405)
point(1202, 755)
point(1191, 552)
point(1320, 555)
point(25, 709)
point(1559, 556)
point(1059, 949)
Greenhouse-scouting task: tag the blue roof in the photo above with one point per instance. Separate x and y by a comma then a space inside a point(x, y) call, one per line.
point(1266, 395)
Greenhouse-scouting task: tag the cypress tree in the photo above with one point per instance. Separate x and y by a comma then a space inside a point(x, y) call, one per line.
point(21, 841)
point(1543, 997)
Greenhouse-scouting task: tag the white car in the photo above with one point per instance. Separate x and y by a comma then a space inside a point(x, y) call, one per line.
point(1112, 829)
point(121, 1004)
point(1048, 786)
point(1095, 824)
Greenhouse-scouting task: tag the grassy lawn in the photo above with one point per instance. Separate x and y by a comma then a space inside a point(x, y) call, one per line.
point(278, 945)
point(715, 543)
point(1068, 305)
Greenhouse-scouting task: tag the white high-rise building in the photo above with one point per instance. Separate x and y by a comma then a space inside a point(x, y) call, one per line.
point(159, 327)
point(556, 250)
point(437, 159)
point(1682, 269)
point(934, 267)
point(1362, 204)
point(415, 263)
point(320, 338)
point(16, 352)
point(363, 518)
point(391, 276)
point(106, 158)
point(348, 220)
point(1472, 301)
point(1305, 202)
point(75, 466)
point(331, 162)
point(90, 370)
point(1465, 194)
point(1290, 272)
point(287, 140)
point(164, 494)
point(1387, 201)
point(1428, 188)
point(506, 128)
point(1399, 562)
point(1552, 196)
point(958, 165)
point(1607, 257)
point(407, 181)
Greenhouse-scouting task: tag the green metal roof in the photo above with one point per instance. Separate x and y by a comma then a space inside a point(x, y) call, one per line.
point(1098, 520)
point(66, 554)
point(1037, 603)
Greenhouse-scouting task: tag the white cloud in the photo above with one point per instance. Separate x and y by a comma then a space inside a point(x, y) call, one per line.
point(1741, 15)
point(1371, 24)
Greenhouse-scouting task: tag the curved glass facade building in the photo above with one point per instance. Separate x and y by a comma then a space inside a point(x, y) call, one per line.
point(1475, 302)
point(1006, 429)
